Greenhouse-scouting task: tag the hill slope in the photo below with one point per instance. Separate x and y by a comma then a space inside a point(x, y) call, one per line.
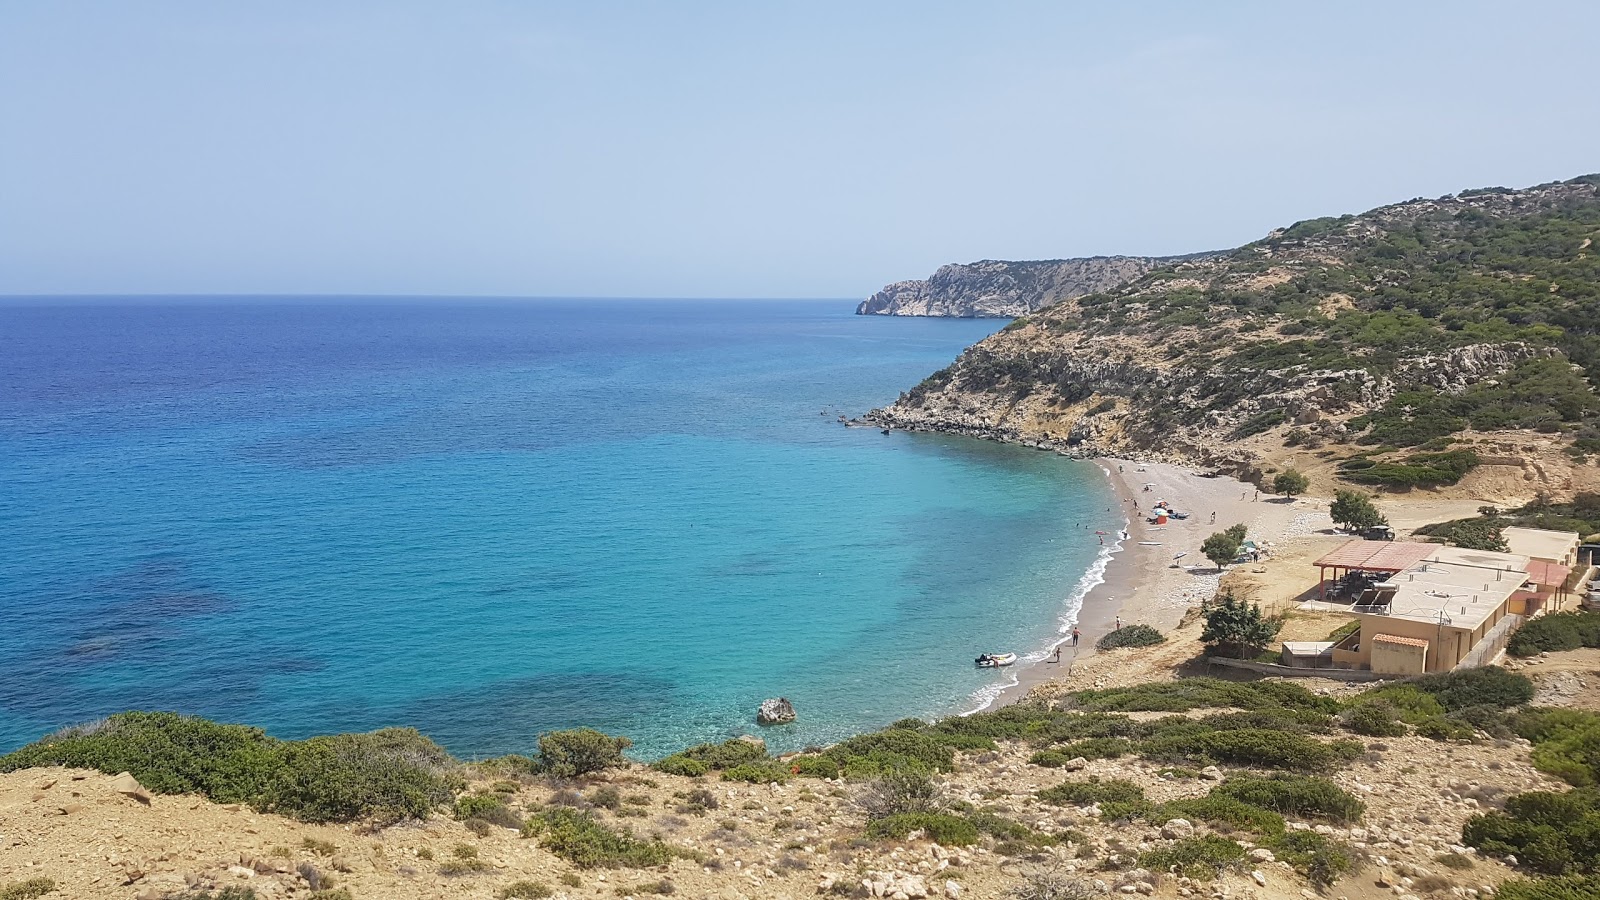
point(1412, 342)
point(998, 288)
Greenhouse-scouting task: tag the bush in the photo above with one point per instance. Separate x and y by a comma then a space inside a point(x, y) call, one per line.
point(1566, 742)
point(167, 752)
point(1093, 748)
point(1374, 718)
point(388, 776)
point(1558, 631)
point(1197, 693)
point(27, 890)
point(901, 793)
point(581, 751)
point(1556, 834)
point(1130, 636)
point(941, 828)
point(700, 759)
point(891, 750)
point(1354, 511)
point(1298, 795)
point(1207, 856)
point(489, 808)
point(1568, 887)
point(525, 890)
point(1085, 793)
point(580, 839)
point(1290, 482)
point(1251, 747)
point(1488, 686)
point(1217, 809)
point(765, 772)
point(1321, 860)
point(1416, 470)
point(1235, 628)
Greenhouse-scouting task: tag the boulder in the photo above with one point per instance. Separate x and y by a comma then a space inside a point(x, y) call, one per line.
point(778, 711)
point(128, 786)
point(1177, 829)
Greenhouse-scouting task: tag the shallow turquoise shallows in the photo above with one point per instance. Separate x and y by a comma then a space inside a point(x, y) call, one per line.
point(489, 520)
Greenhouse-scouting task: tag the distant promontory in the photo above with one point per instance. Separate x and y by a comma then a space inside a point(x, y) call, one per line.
point(993, 288)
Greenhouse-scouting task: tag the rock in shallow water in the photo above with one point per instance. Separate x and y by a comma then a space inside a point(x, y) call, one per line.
point(777, 711)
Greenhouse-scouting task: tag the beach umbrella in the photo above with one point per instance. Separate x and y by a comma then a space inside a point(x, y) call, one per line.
point(1180, 556)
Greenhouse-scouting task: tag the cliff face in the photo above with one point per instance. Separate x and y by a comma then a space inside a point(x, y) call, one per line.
point(998, 288)
point(1376, 340)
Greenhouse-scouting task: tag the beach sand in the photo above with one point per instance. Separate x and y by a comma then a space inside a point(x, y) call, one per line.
point(1143, 584)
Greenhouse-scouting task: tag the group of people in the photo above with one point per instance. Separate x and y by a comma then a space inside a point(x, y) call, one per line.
point(1075, 635)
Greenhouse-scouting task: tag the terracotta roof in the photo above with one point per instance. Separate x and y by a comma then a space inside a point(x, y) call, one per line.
point(1397, 639)
point(1377, 556)
point(1548, 573)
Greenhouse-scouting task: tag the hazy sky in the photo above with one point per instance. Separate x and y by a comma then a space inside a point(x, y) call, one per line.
point(741, 149)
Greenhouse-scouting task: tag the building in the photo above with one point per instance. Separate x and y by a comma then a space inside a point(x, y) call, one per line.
point(1431, 608)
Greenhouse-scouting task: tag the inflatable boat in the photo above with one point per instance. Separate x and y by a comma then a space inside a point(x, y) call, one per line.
point(995, 660)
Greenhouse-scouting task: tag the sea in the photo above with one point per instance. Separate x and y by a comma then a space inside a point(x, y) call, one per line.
point(489, 519)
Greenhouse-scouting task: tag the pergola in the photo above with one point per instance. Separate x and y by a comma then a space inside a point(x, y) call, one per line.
point(1383, 557)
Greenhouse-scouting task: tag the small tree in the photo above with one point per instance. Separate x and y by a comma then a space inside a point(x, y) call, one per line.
point(1290, 482)
point(1221, 548)
point(1480, 534)
point(568, 754)
point(1236, 628)
point(1354, 511)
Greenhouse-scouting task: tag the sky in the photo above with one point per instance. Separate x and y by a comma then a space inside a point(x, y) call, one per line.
point(760, 149)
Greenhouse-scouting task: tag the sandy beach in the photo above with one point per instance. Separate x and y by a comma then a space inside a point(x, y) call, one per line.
point(1145, 581)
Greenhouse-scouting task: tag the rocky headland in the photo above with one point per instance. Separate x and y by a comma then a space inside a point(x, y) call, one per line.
point(994, 288)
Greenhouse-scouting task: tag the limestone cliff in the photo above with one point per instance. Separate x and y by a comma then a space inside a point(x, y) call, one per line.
point(1386, 338)
point(1000, 288)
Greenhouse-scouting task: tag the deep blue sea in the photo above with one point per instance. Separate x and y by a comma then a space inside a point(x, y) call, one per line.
point(492, 519)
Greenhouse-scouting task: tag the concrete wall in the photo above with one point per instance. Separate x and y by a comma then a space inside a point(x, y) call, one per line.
point(1398, 659)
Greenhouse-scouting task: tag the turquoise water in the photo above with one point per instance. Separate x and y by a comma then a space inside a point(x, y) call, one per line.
point(491, 520)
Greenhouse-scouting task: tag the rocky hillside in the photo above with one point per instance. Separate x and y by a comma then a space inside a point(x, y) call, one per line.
point(999, 288)
point(1403, 346)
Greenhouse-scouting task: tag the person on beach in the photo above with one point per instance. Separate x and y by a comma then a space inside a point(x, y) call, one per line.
point(1119, 623)
point(1213, 518)
point(1057, 657)
point(1074, 636)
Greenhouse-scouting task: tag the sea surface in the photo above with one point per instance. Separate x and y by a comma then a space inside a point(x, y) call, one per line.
point(492, 519)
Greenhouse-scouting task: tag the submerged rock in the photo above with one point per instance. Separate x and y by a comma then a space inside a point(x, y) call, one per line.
point(776, 711)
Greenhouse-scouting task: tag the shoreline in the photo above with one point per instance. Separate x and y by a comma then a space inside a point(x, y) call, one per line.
point(1138, 583)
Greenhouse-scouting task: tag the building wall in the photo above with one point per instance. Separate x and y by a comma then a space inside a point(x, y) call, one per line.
point(1446, 646)
point(1399, 659)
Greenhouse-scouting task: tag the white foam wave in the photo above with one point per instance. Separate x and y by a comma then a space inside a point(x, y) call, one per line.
point(1072, 604)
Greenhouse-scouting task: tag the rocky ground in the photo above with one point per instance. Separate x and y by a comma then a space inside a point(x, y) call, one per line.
point(101, 837)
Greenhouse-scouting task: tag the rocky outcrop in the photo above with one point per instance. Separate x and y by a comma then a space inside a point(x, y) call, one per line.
point(1000, 288)
point(776, 711)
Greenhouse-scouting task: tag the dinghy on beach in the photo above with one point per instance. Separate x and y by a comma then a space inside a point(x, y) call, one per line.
point(995, 660)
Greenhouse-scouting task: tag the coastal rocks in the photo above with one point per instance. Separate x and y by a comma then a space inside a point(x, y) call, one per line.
point(991, 288)
point(775, 711)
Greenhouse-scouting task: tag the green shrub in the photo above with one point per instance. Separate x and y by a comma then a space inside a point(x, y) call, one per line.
point(27, 890)
point(1567, 887)
point(1488, 686)
point(580, 751)
point(1294, 794)
point(1416, 470)
point(1085, 793)
point(487, 808)
point(757, 773)
point(1558, 631)
point(525, 890)
point(1093, 748)
point(1556, 834)
point(1566, 743)
point(1253, 747)
point(167, 752)
point(580, 839)
point(900, 792)
point(1321, 860)
point(702, 758)
point(891, 750)
point(941, 828)
point(1130, 636)
point(1197, 693)
point(387, 776)
point(1374, 718)
point(1206, 856)
point(1217, 809)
